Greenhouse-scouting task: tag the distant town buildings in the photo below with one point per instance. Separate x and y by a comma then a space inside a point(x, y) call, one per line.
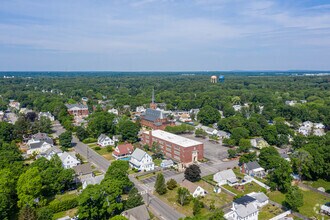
point(77, 110)
point(310, 128)
point(259, 143)
point(178, 148)
point(14, 104)
point(46, 115)
point(113, 111)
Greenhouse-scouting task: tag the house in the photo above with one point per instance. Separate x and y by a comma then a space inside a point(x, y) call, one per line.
point(285, 156)
point(25, 111)
point(84, 100)
point(166, 163)
point(259, 143)
point(48, 154)
point(38, 147)
point(291, 102)
point(185, 117)
point(140, 109)
point(304, 130)
point(92, 181)
point(223, 135)
point(325, 208)
point(83, 172)
point(237, 108)
point(225, 177)
point(141, 160)
point(41, 137)
point(194, 112)
point(14, 104)
point(77, 110)
point(209, 131)
point(116, 138)
point(113, 111)
point(243, 208)
point(194, 189)
point(123, 151)
point(137, 213)
point(69, 160)
point(46, 115)
point(103, 140)
point(2, 114)
point(253, 169)
point(260, 197)
point(308, 128)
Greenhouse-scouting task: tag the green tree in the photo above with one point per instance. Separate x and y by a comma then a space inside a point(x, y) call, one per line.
point(160, 186)
point(280, 177)
point(6, 131)
point(183, 196)
point(270, 134)
point(134, 199)
point(232, 153)
point(268, 157)
point(45, 214)
point(208, 115)
point(200, 133)
point(43, 125)
point(128, 130)
point(7, 193)
point(239, 133)
point(66, 139)
point(244, 145)
point(294, 198)
point(27, 213)
point(118, 171)
point(101, 123)
point(247, 158)
point(192, 173)
point(217, 215)
point(301, 162)
point(118, 217)
point(81, 133)
point(198, 205)
point(171, 184)
point(29, 187)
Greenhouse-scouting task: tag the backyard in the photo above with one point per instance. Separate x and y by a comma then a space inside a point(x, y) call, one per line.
point(319, 183)
point(245, 189)
point(269, 211)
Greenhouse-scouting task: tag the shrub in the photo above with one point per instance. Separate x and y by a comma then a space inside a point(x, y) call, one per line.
point(97, 148)
point(171, 184)
point(109, 149)
point(89, 140)
point(59, 206)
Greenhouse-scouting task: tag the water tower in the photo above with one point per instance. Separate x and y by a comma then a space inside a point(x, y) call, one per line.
point(221, 78)
point(213, 79)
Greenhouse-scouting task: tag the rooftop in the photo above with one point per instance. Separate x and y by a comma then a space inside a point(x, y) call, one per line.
point(166, 136)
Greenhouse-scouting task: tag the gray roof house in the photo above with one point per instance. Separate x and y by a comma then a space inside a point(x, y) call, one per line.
point(137, 213)
point(260, 197)
point(92, 180)
point(225, 177)
point(42, 137)
point(253, 169)
point(243, 208)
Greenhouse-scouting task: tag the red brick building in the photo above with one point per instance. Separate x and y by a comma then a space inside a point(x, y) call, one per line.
point(77, 110)
point(178, 148)
point(155, 119)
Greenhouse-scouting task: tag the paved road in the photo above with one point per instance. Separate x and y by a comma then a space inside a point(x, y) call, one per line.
point(161, 209)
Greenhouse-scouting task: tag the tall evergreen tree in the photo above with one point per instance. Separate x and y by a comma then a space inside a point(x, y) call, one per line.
point(160, 186)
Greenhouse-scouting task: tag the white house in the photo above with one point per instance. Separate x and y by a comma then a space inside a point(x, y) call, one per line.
point(223, 134)
point(140, 109)
point(113, 111)
point(225, 177)
point(237, 108)
point(209, 131)
point(92, 181)
point(259, 143)
point(166, 163)
point(194, 189)
point(141, 160)
point(48, 154)
point(291, 102)
point(38, 147)
point(260, 197)
point(46, 115)
point(69, 160)
point(243, 208)
point(104, 140)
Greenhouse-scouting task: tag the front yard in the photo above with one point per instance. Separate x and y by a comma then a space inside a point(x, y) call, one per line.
point(102, 151)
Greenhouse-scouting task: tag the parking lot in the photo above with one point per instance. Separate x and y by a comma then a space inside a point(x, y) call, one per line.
point(166, 173)
point(212, 151)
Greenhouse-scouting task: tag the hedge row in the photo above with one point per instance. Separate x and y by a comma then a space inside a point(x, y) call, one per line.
point(59, 206)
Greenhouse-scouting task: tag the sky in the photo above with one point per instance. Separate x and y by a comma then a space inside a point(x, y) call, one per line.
point(164, 35)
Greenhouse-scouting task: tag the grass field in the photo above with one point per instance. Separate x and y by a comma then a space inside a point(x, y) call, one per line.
point(319, 183)
point(312, 202)
point(70, 212)
point(103, 151)
point(248, 188)
point(269, 211)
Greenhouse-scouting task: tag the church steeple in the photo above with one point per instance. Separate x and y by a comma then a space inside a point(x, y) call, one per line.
point(153, 105)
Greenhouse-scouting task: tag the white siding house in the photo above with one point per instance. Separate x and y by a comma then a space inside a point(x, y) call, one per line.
point(141, 160)
point(104, 141)
point(69, 160)
point(225, 177)
point(194, 189)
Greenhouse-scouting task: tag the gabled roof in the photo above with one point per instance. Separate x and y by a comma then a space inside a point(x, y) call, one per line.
point(54, 149)
point(244, 200)
point(153, 115)
point(43, 137)
point(94, 180)
point(123, 149)
point(252, 165)
point(83, 169)
point(189, 185)
point(35, 145)
point(69, 106)
point(226, 174)
point(138, 154)
point(244, 211)
point(102, 137)
point(260, 197)
point(65, 155)
point(137, 213)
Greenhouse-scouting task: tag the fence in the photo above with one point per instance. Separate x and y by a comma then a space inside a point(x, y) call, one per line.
point(282, 215)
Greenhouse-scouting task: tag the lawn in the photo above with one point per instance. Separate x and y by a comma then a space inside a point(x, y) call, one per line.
point(103, 151)
point(209, 178)
point(312, 200)
point(248, 188)
point(157, 162)
point(269, 211)
point(319, 183)
point(219, 199)
point(70, 212)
